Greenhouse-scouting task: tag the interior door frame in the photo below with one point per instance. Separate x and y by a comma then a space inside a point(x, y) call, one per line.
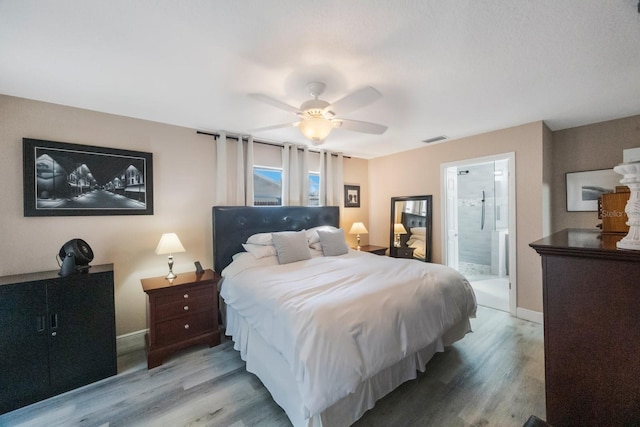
point(511, 157)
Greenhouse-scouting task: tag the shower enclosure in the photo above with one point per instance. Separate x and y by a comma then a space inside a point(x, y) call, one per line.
point(483, 220)
point(477, 226)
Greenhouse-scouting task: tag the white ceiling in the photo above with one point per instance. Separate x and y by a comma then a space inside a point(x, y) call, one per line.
point(453, 67)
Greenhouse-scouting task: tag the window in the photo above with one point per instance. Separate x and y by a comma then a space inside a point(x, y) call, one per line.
point(314, 189)
point(267, 187)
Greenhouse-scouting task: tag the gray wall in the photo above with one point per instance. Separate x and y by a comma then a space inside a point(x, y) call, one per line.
point(590, 147)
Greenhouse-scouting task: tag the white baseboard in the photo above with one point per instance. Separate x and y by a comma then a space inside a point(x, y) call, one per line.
point(130, 342)
point(530, 315)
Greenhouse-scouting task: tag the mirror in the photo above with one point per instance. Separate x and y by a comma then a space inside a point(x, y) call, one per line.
point(410, 228)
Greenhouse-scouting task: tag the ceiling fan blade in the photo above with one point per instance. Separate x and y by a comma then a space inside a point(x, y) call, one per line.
point(280, 126)
point(358, 126)
point(274, 102)
point(354, 100)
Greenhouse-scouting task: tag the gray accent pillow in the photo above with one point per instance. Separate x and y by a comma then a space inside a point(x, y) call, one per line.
point(333, 242)
point(291, 246)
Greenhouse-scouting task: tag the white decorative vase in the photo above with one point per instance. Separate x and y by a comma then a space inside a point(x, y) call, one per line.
point(631, 178)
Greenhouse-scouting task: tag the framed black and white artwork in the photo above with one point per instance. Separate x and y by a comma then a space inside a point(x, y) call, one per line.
point(64, 179)
point(585, 187)
point(351, 196)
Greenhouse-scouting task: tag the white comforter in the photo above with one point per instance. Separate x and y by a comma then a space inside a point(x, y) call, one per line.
point(340, 320)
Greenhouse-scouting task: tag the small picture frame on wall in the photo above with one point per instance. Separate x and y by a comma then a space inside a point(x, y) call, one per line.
point(584, 188)
point(351, 196)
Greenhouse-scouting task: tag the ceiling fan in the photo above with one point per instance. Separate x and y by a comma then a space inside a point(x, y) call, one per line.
point(318, 117)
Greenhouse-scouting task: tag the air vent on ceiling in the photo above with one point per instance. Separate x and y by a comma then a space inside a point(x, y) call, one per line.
point(435, 139)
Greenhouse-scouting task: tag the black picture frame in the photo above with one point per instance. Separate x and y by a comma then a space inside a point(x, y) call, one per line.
point(585, 187)
point(351, 196)
point(64, 179)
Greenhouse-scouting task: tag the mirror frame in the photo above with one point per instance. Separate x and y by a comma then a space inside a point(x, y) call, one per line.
point(428, 222)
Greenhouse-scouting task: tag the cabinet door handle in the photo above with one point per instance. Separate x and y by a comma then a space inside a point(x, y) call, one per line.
point(40, 323)
point(186, 296)
point(186, 308)
point(186, 326)
point(54, 321)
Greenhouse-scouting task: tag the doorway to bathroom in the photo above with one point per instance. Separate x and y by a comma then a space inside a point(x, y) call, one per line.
point(479, 226)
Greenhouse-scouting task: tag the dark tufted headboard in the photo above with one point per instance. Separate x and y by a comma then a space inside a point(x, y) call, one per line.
point(232, 225)
point(413, 220)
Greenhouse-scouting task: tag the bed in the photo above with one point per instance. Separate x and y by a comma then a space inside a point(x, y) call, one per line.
point(329, 335)
point(416, 237)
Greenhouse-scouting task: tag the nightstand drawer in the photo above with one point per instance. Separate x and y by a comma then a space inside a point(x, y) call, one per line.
point(402, 253)
point(189, 294)
point(182, 328)
point(185, 306)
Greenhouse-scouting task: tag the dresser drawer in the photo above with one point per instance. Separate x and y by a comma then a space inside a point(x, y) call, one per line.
point(180, 306)
point(168, 296)
point(184, 327)
point(404, 253)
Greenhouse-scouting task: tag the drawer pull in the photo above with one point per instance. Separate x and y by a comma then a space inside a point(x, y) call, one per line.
point(186, 296)
point(186, 326)
point(186, 308)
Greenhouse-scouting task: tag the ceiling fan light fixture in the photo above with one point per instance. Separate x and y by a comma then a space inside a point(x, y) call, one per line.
point(316, 128)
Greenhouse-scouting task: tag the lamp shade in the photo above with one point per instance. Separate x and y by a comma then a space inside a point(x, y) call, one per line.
point(399, 229)
point(358, 228)
point(169, 244)
point(315, 128)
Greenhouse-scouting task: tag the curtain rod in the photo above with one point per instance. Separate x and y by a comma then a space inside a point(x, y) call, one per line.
point(237, 137)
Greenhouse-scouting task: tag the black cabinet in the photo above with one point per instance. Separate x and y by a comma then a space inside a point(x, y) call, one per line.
point(57, 333)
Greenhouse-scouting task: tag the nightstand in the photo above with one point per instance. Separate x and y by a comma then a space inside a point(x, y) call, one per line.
point(401, 252)
point(182, 312)
point(378, 250)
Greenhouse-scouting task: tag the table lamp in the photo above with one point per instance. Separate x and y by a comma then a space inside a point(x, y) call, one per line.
point(169, 244)
point(358, 228)
point(398, 229)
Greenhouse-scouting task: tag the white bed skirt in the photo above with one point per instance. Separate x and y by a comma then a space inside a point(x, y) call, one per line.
point(270, 367)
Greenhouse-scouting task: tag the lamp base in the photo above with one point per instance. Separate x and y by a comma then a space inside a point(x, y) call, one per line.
point(170, 276)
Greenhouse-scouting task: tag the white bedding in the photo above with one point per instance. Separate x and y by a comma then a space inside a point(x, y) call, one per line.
point(338, 321)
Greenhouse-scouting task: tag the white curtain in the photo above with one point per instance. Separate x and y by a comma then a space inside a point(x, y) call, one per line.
point(221, 170)
point(295, 175)
point(248, 174)
point(331, 178)
point(234, 171)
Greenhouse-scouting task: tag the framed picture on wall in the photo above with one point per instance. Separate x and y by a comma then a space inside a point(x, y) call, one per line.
point(584, 188)
point(351, 196)
point(63, 179)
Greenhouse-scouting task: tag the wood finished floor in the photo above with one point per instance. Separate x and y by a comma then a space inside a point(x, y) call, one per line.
point(493, 377)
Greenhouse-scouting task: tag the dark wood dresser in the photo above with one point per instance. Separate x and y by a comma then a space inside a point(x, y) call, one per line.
point(591, 297)
point(58, 333)
point(182, 312)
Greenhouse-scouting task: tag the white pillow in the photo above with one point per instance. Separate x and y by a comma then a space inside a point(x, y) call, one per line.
point(312, 233)
point(333, 243)
point(260, 251)
point(260, 239)
point(419, 230)
point(291, 246)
